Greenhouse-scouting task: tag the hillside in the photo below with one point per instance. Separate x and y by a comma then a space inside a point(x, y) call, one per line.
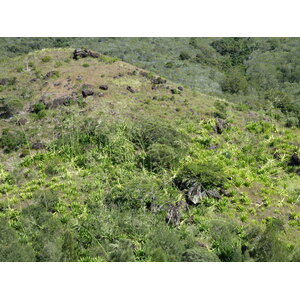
point(104, 161)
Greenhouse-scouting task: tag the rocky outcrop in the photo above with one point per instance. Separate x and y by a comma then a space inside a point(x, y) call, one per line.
point(81, 53)
point(197, 193)
point(220, 125)
point(87, 92)
point(103, 87)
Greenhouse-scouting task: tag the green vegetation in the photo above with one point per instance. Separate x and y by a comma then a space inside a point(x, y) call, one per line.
point(109, 177)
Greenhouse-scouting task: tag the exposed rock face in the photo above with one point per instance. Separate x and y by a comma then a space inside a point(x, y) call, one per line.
point(87, 92)
point(220, 126)
point(295, 160)
point(85, 53)
point(196, 193)
point(103, 87)
point(130, 89)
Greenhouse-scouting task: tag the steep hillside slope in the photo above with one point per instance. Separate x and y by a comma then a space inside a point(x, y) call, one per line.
point(104, 161)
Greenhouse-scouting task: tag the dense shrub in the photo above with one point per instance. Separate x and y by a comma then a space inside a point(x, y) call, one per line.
point(11, 248)
point(234, 82)
point(237, 48)
point(226, 241)
point(209, 174)
point(12, 140)
point(163, 244)
point(140, 191)
point(268, 246)
point(148, 132)
point(38, 107)
point(44, 231)
point(199, 254)
point(161, 156)
point(184, 56)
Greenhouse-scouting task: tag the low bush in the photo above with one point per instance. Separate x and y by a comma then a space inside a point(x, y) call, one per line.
point(108, 59)
point(46, 59)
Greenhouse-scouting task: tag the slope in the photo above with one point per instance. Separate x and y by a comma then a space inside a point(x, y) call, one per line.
point(104, 161)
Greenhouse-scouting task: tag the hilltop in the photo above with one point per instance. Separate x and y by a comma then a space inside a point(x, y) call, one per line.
point(104, 161)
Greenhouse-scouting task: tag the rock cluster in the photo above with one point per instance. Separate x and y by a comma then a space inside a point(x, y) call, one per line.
point(85, 53)
point(197, 193)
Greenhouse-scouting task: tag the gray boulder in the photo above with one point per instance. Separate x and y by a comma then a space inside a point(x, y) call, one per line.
point(196, 194)
point(87, 92)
